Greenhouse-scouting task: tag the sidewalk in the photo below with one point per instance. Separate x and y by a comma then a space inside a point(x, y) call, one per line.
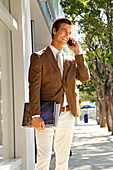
point(92, 148)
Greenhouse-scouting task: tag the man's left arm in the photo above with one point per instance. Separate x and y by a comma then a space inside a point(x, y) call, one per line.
point(82, 71)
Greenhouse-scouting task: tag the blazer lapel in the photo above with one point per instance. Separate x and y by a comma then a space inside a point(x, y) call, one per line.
point(52, 60)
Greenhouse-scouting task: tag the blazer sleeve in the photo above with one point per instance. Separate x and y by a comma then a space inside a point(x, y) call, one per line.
point(34, 78)
point(82, 72)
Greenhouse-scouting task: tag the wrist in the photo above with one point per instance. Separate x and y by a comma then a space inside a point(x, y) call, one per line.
point(35, 116)
point(77, 52)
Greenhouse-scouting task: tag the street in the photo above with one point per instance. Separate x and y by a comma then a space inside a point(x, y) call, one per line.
point(92, 148)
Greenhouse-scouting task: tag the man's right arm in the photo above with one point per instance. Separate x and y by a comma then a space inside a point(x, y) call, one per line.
point(34, 90)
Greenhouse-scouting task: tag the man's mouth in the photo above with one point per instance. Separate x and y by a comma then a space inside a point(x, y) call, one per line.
point(65, 39)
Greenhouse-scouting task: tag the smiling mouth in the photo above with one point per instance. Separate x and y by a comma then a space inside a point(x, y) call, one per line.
point(65, 39)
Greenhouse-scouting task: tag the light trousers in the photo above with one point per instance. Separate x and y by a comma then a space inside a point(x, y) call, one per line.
point(62, 142)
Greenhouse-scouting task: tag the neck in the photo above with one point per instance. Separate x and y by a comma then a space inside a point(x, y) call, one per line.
point(57, 46)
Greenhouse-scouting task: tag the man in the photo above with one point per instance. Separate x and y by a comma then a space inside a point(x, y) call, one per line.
point(49, 81)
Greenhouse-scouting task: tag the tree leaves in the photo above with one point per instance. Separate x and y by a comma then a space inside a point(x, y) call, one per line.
point(95, 19)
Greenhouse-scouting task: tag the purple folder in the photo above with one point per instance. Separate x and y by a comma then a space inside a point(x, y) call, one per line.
point(47, 113)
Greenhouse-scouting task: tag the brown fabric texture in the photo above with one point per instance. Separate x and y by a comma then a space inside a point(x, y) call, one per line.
point(47, 84)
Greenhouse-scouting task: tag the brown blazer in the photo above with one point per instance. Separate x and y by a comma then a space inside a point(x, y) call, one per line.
point(47, 84)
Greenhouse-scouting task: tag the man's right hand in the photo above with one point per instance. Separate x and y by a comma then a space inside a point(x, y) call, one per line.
point(38, 123)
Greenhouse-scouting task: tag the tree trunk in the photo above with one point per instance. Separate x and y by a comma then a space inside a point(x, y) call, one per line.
point(97, 112)
point(102, 101)
point(103, 116)
point(108, 113)
point(111, 118)
point(111, 106)
point(0, 126)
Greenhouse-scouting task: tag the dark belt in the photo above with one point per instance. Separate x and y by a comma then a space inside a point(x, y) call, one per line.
point(66, 108)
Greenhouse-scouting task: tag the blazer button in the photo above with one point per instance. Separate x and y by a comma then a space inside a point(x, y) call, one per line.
point(62, 95)
point(62, 82)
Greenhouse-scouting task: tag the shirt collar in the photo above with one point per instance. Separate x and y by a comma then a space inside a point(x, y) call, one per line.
point(54, 50)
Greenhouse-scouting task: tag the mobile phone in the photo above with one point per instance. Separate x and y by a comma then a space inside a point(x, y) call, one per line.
point(70, 42)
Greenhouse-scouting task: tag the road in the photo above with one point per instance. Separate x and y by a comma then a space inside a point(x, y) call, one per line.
point(92, 148)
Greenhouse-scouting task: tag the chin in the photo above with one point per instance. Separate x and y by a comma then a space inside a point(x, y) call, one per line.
point(64, 42)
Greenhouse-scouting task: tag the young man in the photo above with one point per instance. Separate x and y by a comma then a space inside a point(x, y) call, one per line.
point(51, 81)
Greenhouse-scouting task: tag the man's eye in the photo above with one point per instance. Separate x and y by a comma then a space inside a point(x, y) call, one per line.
point(66, 32)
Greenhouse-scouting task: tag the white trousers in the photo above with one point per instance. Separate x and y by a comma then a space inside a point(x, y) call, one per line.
point(62, 142)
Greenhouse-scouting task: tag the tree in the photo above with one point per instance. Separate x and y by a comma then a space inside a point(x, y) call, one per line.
point(87, 91)
point(95, 18)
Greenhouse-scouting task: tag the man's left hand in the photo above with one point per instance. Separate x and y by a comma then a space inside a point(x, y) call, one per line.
point(74, 47)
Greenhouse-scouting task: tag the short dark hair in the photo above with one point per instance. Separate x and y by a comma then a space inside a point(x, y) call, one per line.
point(58, 22)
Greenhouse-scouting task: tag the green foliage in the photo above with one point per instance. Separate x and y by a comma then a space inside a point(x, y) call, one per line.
point(87, 91)
point(95, 20)
point(86, 97)
point(87, 87)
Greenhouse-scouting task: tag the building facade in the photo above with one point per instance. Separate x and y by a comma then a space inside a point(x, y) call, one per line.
point(25, 26)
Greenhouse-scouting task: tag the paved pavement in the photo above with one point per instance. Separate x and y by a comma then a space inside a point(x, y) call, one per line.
point(92, 148)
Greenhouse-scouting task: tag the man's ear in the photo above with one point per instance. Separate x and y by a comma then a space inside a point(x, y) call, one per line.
point(54, 31)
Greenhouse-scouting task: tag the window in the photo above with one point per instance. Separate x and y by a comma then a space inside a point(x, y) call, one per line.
point(1, 143)
point(47, 12)
point(5, 3)
point(6, 95)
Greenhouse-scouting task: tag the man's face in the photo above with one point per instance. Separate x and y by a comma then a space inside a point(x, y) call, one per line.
point(63, 33)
